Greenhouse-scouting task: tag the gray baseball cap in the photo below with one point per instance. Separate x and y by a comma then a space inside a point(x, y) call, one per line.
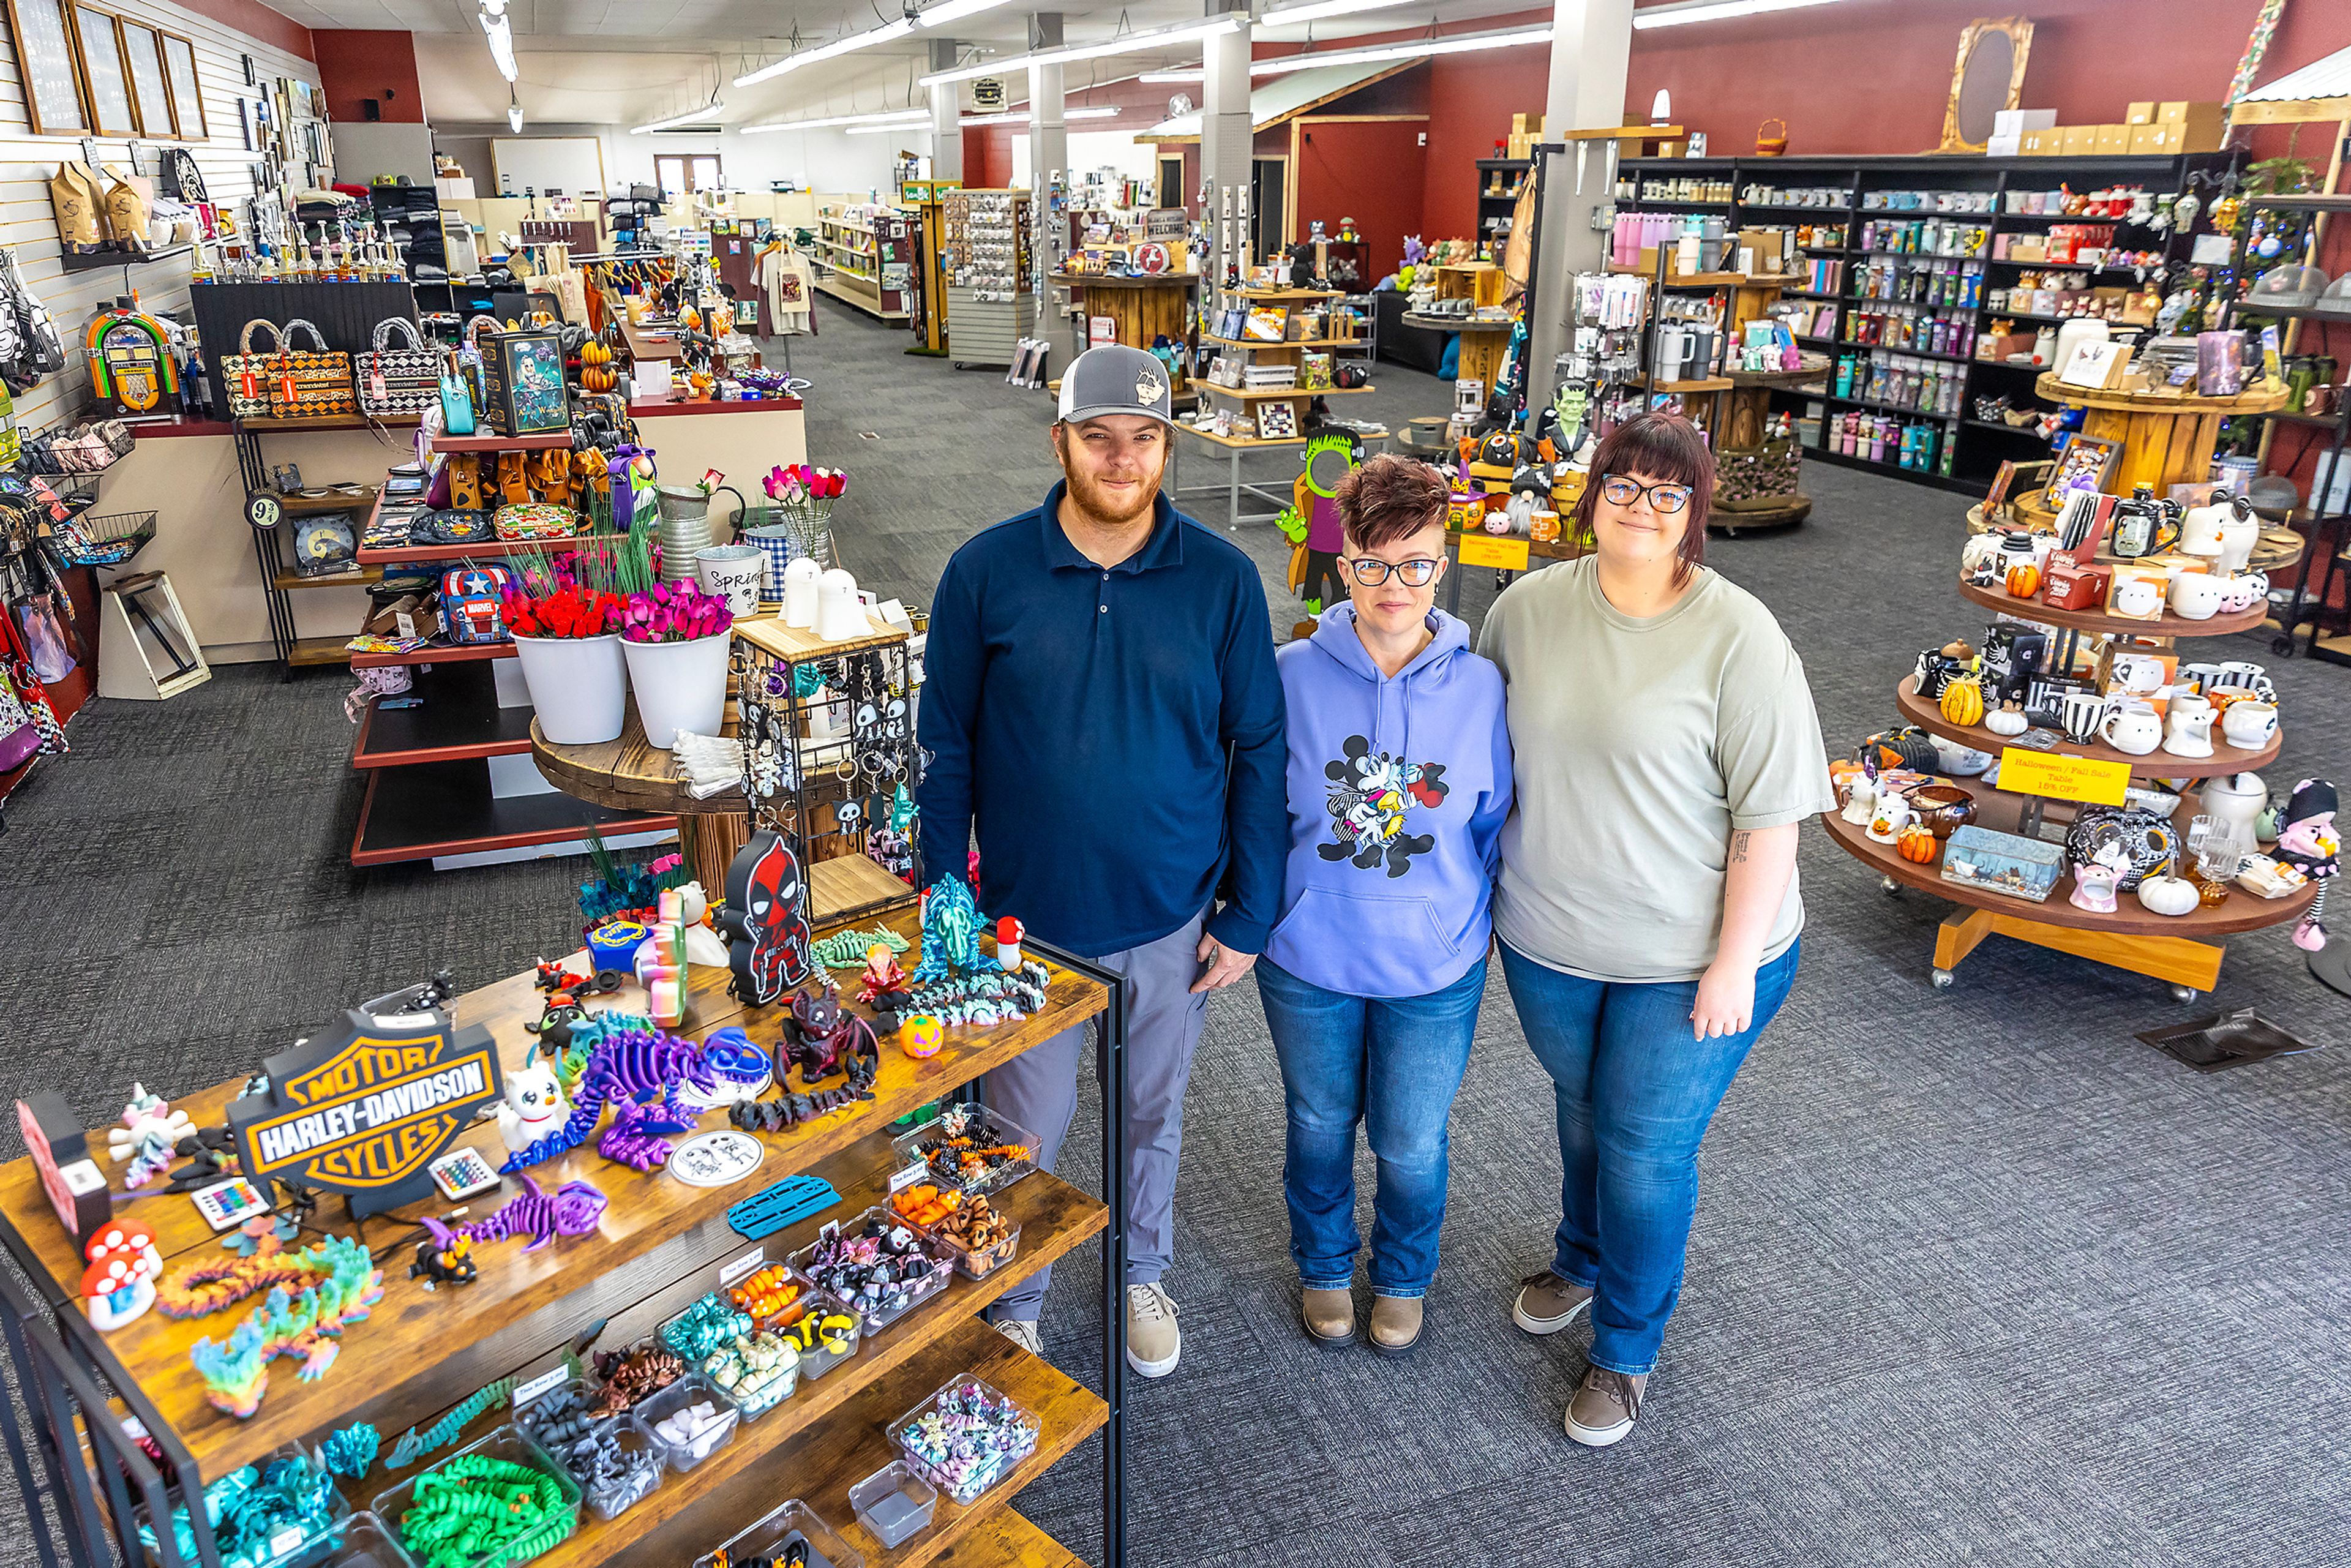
point(1115, 379)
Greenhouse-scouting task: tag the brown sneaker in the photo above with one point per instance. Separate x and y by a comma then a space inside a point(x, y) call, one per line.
point(1547, 1303)
point(1330, 1318)
point(1395, 1323)
point(1604, 1409)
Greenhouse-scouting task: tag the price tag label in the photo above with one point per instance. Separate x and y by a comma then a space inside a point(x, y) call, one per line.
point(1485, 549)
point(741, 1266)
point(546, 1382)
point(901, 1180)
point(2081, 779)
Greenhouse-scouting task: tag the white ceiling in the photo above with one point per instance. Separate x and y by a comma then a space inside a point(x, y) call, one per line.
point(624, 62)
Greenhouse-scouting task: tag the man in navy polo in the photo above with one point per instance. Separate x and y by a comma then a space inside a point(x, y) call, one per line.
point(1102, 706)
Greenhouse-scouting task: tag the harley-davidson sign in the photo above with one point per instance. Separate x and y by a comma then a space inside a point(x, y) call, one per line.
point(364, 1109)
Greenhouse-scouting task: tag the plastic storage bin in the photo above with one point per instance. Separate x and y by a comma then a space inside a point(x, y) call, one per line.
point(289, 1549)
point(543, 1420)
point(613, 1485)
point(971, 1263)
point(736, 1371)
point(815, 1359)
point(362, 1541)
point(894, 1503)
point(916, 1291)
point(986, 1127)
point(775, 1534)
point(686, 1450)
point(506, 1443)
point(965, 1477)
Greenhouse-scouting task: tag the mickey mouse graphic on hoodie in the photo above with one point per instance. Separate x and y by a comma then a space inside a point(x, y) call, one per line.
point(1398, 787)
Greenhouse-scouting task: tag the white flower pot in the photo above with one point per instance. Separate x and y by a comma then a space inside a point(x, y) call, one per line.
point(579, 686)
point(679, 686)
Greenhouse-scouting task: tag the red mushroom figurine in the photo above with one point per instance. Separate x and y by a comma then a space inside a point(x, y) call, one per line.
point(1008, 931)
point(121, 1279)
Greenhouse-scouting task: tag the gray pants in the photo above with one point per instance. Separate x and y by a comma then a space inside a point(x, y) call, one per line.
point(1038, 1089)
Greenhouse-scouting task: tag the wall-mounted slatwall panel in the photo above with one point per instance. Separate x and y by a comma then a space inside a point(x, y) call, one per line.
point(28, 228)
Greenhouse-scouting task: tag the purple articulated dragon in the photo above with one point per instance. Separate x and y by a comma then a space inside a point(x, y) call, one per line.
point(572, 1209)
point(636, 1071)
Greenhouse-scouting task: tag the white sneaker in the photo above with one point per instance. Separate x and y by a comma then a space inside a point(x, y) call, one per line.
point(1022, 1331)
point(1154, 1343)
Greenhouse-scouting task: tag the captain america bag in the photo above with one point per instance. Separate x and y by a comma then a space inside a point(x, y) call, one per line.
point(470, 599)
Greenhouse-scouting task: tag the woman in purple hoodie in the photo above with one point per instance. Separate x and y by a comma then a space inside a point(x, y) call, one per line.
point(1399, 781)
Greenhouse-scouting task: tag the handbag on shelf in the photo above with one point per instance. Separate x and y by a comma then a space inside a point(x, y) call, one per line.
point(307, 384)
point(245, 374)
point(398, 382)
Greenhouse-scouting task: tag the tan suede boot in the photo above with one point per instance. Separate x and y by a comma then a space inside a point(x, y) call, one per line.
point(1395, 1323)
point(1330, 1318)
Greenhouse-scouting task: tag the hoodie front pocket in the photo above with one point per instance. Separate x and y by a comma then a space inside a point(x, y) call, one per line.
point(1371, 945)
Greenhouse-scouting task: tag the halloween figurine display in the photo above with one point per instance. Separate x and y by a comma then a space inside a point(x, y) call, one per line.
point(766, 920)
point(2307, 841)
point(826, 1038)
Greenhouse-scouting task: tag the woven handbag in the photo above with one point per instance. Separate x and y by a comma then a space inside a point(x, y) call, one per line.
point(246, 373)
point(307, 384)
point(393, 382)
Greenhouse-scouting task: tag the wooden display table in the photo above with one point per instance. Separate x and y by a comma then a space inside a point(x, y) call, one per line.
point(2159, 763)
point(2183, 950)
point(1483, 344)
point(660, 1245)
point(1255, 401)
point(2166, 625)
point(1141, 309)
point(2167, 439)
point(1235, 448)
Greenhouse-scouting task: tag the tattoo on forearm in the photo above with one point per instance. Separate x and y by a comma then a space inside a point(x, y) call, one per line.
point(1739, 849)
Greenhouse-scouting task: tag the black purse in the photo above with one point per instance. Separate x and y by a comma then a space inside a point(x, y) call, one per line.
point(453, 526)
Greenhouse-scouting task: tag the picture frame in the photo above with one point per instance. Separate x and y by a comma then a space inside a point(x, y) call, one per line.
point(2096, 365)
point(98, 36)
point(46, 63)
point(1987, 78)
point(187, 90)
point(2084, 462)
point(150, 90)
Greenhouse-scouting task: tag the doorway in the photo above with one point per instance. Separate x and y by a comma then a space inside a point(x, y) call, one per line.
point(1269, 199)
point(683, 173)
point(1171, 183)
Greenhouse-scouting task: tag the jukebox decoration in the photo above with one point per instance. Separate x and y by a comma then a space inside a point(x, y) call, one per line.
point(131, 362)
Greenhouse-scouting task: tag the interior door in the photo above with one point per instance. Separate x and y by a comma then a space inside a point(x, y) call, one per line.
point(1269, 191)
point(1171, 183)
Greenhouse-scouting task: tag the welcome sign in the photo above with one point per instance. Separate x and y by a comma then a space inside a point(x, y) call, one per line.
point(365, 1108)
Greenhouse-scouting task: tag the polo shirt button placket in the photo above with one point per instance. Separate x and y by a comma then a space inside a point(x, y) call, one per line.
point(1103, 609)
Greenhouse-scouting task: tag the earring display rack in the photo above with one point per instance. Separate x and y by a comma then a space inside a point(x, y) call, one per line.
point(2185, 950)
point(660, 1245)
point(1975, 449)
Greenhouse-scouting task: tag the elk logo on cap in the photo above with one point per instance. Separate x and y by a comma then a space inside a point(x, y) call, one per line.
point(1147, 388)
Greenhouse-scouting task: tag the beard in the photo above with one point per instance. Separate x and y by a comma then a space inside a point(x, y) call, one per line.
point(1108, 508)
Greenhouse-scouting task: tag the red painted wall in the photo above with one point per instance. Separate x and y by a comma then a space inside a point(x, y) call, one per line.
point(255, 20)
point(357, 64)
point(1470, 101)
point(1361, 170)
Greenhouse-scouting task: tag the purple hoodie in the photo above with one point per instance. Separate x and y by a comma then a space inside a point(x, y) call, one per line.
point(1398, 787)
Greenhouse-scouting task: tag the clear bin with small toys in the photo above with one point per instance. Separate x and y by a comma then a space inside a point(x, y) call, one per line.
point(875, 1265)
point(437, 1514)
point(691, 1420)
point(772, 1538)
point(969, 1148)
point(977, 1236)
point(965, 1437)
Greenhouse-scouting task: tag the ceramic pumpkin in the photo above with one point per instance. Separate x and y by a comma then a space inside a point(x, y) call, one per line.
point(1916, 844)
point(1963, 702)
point(2023, 580)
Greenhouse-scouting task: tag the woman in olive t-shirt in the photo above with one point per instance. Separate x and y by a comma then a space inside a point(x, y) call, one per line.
point(1665, 751)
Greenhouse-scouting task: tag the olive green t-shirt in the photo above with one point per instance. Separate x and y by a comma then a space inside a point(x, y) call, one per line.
point(1641, 746)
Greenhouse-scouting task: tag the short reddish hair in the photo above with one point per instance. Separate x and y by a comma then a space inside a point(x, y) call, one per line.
point(1389, 498)
point(1664, 446)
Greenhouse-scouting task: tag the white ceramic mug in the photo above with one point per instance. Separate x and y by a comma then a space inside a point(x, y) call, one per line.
point(2082, 711)
point(2197, 595)
point(2132, 728)
point(2139, 674)
point(2244, 590)
point(2249, 723)
point(2140, 598)
point(2187, 726)
point(732, 573)
point(2246, 675)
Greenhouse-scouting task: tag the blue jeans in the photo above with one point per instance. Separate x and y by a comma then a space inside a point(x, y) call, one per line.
point(1636, 1093)
point(1393, 1064)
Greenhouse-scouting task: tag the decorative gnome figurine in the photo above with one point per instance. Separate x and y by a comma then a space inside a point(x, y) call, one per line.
point(2309, 844)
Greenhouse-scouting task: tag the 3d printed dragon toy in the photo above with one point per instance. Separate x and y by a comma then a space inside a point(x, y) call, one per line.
point(827, 1039)
point(571, 1210)
point(341, 1283)
point(951, 923)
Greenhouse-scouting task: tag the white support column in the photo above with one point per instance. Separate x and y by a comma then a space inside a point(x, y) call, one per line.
point(947, 115)
point(1225, 131)
point(1591, 54)
point(1049, 147)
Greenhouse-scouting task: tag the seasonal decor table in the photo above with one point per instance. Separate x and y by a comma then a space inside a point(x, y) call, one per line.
point(660, 1245)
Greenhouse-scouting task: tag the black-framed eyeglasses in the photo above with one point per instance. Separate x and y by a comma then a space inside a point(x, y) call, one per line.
point(1622, 490)
point(1418, 572)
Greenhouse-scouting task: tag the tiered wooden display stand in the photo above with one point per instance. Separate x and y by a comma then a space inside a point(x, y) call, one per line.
point(1243, 400)
point(2183, 950)
point(659, 1246)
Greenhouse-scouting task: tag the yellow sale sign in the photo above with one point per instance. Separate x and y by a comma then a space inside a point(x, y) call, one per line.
point(2082, 779)
point(1485, 549)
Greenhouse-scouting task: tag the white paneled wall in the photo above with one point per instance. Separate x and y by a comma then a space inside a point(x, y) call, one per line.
point(28, 227)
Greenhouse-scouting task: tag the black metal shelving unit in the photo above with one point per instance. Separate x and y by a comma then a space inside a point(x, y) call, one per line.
point(1492, 206)
point(1974, 448)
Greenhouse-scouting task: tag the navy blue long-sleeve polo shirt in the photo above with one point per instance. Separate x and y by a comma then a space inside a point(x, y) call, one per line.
point(1115, 735)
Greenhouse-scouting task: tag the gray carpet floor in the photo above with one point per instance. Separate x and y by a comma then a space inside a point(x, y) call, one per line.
point(1977, 1279)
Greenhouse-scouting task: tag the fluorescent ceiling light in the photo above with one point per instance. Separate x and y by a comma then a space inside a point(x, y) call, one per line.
point(1416, 49)
point(893, 117)
point(1021, 116)
point(493, 17)
point(688, 118)
point(513, 110)
point(1316, 10)
point(867, 39)
point(1125, 44)
point(1168, 79)
point(953, 11)
point(1687, 11)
